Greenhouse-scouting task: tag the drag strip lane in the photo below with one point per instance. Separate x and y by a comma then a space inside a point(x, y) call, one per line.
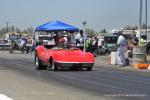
point(89, 85)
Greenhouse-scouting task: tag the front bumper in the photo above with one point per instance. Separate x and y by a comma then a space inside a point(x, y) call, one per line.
point(74, 64)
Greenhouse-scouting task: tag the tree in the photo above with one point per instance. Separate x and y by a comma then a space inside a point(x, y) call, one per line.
point(12, 29)
point(3, 31)
point(135, 27)
point(143, 26)
point(17, 30)
point(29, 30)
point(90, 32)
point(103, 31)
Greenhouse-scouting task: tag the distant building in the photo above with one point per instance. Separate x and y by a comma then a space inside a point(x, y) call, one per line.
point(128, 33)
point(115, 31)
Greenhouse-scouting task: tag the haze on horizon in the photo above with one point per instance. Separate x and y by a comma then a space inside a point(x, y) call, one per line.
point(99, 14)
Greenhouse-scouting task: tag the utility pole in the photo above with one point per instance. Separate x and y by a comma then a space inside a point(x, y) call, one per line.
point(140, 20)
point(146, 17)
point(84, 23)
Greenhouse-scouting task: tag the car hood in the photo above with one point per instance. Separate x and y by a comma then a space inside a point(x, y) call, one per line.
point(73, 56)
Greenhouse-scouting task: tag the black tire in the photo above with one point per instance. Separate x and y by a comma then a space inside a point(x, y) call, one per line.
point(107, 52)
point(148, 52)
point(11, 51)
point(53, 65)
point(22, 52)
point(27, 50)
point(38, 64)
point(89, 68)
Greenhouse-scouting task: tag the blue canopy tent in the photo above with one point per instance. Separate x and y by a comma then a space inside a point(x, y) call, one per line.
point(56, 26)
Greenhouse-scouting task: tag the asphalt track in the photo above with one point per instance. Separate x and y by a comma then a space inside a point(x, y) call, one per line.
point(20, 81)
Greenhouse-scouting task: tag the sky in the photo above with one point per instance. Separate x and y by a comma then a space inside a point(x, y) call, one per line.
point(98, 14)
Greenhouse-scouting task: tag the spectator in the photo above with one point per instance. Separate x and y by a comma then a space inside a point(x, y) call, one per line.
point(88, 44)
point(141, 42)
point(40, 41)
point(135, 40)
point(61, 39)
point(65, 38)
point(94, 46)
point(79, 40)
point(121, 44)
point(22, 42)
point(32, 45)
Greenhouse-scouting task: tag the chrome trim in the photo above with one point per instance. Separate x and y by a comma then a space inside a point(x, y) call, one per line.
point(74, 62)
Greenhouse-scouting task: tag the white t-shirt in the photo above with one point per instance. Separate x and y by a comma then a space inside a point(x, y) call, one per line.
point(122, 43)
point(100, 42)
point(80, 38)
point(66, 40)
point(22, 43)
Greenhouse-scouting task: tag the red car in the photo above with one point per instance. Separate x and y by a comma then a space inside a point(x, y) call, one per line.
point(62, 56)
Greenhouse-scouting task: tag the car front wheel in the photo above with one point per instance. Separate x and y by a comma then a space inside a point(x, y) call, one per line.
point(38, 64)
point(53, 65)
point(89, 68)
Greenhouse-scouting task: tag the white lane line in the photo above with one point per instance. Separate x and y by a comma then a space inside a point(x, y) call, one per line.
point(4, 97)
point(48, 93)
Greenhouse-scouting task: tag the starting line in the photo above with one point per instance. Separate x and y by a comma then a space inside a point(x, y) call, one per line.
point(4, 97)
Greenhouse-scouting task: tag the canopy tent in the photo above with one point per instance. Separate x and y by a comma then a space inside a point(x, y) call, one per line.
point(56, 26)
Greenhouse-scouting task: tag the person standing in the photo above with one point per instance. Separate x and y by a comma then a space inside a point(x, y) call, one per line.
point(135, 40)
point(22, 44)
point(121, 47)
point(33, 45)
point(79, 40)
point(88, 44)
point(65, 38)
point(94, 46)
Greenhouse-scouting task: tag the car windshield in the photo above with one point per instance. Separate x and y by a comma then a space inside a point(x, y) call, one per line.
point(67, 46)
point(110, 39)
point(47, 38)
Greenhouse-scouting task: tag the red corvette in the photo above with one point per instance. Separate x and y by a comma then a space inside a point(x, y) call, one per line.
point(62, 56)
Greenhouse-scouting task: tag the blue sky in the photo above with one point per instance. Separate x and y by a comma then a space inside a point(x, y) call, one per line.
point(99, 14)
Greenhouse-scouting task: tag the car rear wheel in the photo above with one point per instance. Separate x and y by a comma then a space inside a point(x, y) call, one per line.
point(38, 64)
point(148, 52)
point(11, 51)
